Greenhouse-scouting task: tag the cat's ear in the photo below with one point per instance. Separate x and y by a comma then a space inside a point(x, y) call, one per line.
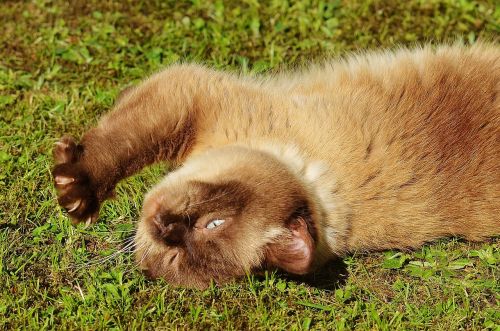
point(293, 253)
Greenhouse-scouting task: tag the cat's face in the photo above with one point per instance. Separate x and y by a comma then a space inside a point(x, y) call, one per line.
point(224, 214)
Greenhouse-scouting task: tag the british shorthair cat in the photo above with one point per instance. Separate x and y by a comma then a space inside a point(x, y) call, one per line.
point(384, 150)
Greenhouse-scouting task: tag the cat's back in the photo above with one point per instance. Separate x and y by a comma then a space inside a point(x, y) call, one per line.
point(412, 134)
point(446, 99)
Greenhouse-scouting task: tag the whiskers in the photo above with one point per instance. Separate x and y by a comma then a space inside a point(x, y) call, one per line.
point(144, 256)
point(127, 248)
point(130, 245)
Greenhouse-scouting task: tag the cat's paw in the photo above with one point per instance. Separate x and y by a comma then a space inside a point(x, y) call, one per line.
point(75, 191)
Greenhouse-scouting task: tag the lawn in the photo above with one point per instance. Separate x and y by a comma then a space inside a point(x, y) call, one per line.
point(61, 66)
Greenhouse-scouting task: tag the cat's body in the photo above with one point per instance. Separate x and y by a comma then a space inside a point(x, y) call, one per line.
point(387, 150)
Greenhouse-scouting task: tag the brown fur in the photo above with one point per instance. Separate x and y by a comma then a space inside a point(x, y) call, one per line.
point(383, 150)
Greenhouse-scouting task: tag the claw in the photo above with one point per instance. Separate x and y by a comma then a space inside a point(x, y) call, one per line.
point(60, 144)
point(63, 180)
point(74, 206)
point(88, 222)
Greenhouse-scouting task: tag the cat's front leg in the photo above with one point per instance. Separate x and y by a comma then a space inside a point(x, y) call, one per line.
point(157, 120)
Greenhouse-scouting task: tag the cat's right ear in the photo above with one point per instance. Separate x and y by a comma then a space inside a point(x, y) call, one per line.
point(293, 253)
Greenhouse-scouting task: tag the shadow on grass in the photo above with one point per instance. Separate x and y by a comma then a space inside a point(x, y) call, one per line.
point(330, 277)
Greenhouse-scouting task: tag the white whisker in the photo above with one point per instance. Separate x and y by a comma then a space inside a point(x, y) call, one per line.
point(109, 257)
point(145, 255)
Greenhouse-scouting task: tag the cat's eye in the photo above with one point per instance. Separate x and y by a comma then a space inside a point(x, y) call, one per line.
point(215, 223)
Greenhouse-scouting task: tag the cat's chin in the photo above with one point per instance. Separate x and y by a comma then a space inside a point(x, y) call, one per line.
point(225, 214)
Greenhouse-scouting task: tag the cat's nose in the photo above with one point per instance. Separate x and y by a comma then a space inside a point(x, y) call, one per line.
point(172, 230)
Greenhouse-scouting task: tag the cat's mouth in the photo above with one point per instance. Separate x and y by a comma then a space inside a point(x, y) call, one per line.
point(179, 267)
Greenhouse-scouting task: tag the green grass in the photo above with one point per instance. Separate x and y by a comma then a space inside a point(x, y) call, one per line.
point(60, 68)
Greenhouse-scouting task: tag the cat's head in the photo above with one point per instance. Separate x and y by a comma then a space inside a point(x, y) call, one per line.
point(226, 213)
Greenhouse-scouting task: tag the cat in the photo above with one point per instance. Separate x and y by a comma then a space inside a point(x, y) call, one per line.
point(382, 150)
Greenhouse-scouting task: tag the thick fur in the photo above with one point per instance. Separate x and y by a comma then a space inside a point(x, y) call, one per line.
point(378, 151)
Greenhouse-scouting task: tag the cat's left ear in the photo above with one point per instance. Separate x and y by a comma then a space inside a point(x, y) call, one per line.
point(293, 253)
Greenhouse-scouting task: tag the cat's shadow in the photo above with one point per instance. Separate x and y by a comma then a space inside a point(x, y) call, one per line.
point(330, 277)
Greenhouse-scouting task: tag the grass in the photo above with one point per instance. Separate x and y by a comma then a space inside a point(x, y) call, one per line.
point(62, 64)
